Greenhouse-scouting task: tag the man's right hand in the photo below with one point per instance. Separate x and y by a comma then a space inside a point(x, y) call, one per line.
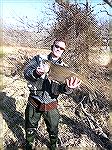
point(40, 70)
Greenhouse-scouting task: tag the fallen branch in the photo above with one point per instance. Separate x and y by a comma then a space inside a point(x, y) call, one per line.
point(93, 124)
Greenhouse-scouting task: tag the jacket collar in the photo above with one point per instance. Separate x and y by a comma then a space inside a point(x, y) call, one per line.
point(59, 61)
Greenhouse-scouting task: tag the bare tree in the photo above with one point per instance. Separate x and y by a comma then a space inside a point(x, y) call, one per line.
point(78, 25)
point(109, 2)
point(26, 33)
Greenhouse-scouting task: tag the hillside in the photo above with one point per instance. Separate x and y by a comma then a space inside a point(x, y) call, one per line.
point(83, 125)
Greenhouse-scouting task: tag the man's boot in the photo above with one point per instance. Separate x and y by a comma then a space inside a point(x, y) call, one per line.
point(30, 136)
point(53, 141)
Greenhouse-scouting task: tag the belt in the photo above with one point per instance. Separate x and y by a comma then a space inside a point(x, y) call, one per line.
point(42, 106)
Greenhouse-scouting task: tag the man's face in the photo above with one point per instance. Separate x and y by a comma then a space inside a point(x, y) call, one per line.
point(58, 48)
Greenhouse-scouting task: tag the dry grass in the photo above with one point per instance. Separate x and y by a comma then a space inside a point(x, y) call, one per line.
point(32, 51)
point(9, 51)
point(100, 57)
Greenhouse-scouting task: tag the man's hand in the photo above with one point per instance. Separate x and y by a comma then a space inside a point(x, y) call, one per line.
point(73, 82)
point(44, 68)
point(40, 70)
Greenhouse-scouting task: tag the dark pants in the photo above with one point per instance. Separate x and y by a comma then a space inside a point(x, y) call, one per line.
point(51, 118)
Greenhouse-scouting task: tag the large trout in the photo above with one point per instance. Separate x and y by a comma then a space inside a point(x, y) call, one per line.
point(61, 73)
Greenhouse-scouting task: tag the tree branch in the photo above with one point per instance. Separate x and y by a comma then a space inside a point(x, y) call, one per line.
point(109, 2)
point(106, 12)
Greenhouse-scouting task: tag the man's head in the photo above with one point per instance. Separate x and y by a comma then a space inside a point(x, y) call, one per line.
point(58, 47)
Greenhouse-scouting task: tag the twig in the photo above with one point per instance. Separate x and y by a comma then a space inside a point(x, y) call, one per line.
point(81, 101)
point(94, 125)
point(106, 12)
point(109, 2)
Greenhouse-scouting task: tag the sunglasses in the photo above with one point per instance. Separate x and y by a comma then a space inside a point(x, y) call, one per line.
point(57, 46)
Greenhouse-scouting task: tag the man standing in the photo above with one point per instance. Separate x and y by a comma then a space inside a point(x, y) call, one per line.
point(43, 96)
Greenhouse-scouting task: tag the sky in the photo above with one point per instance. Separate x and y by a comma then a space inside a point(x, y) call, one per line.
point(33, 9)
point(12, 9)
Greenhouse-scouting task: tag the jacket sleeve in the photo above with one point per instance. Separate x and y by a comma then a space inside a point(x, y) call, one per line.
point(60, 88)
point(30, 69)
point(64, 89)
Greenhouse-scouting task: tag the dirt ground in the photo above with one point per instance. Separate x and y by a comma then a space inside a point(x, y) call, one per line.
point(14, 96)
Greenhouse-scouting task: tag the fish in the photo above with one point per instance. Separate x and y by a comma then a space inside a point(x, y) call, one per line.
point(61, 73)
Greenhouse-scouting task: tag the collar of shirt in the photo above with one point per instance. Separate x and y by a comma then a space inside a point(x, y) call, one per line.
point(59, 61)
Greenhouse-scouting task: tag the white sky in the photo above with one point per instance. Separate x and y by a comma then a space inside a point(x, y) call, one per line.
point(11, 9)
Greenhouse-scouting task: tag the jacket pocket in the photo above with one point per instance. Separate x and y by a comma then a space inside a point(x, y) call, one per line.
point(37, 85)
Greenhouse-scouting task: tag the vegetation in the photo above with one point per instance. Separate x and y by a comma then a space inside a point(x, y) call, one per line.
point(84, 113)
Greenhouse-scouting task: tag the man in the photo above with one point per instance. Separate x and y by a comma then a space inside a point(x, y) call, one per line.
point(43, 96)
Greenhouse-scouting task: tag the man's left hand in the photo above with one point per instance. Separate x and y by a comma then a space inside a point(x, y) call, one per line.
point(73, 82)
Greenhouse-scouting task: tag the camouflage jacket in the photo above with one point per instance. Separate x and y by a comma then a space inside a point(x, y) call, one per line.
point(42, 90)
